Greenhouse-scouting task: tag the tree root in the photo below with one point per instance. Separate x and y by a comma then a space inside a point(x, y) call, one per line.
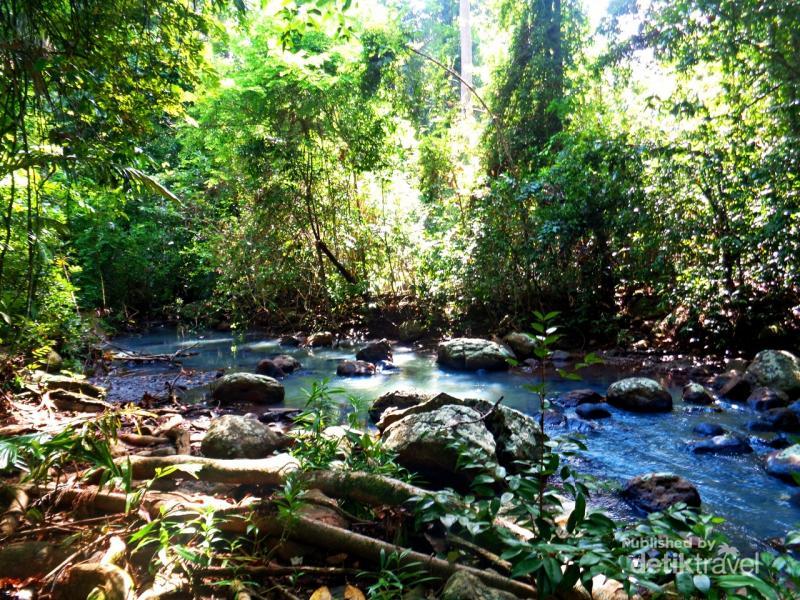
point(15, 513)
point(322, 535)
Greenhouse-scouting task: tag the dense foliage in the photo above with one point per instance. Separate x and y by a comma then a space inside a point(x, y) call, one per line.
point(295, 165)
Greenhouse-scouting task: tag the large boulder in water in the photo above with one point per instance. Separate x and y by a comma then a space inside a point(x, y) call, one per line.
point(234, 436)
point(522, 344)
point(658, 491)
point(247, 387)
point(639, 394)
point(471, 354)
point(785, 463)
point(376, 352)
point(424, 442)
point(517, 436)
point(776, 369)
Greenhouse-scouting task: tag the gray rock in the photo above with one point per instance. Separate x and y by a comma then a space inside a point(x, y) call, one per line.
point(763, 398)
point(709, 429)
point(247, 387)
point(375, 352)
point(269, 368)
point(471, 354)
point(785, 463)
point(639, 394)
point(593, 411)
point(776, 369)
point(320, 339)
point(722, 444)
point(234, 436)
point(355, 368)
point(398, 399)
point(516, 435)
point(694, 393)
point(522, 344)
point(658, 491)
point(423, 442)
point(286, 363)
point(465, 586)
point(578, 397)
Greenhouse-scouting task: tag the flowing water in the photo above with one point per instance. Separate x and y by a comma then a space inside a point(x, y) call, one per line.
point(755, 505)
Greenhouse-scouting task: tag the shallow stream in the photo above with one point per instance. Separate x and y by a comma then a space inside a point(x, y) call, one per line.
point(737, 488)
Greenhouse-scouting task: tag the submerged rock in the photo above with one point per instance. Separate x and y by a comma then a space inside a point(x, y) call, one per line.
point(785, 464)
point(776, 369)
point(424, 442)
point(247, 387)
point(375, 352)
point(235, 436)
point(763, 398)
point(709, 429)
point(694, 393)
point(287, 364)
point(471, 354)
point(578, 397)
point(269, 368)
point(658, 491)
point(465, 586)
point(639, 394)
point(320, 339)
point(593, 411)
point(355, 368)
point(722, 444)
point(521, 344)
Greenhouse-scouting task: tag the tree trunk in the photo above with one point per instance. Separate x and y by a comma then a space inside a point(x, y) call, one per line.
point(465, 28)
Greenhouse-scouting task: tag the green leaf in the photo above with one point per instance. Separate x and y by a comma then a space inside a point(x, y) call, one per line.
point(578, 513)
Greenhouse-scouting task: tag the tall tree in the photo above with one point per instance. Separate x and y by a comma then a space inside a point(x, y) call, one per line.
point(531, 85)
point(465, 30)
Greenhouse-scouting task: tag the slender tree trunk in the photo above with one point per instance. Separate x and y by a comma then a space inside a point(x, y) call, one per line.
point(465, 28)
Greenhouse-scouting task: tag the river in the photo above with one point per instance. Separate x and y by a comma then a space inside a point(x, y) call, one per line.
point(755, 505)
